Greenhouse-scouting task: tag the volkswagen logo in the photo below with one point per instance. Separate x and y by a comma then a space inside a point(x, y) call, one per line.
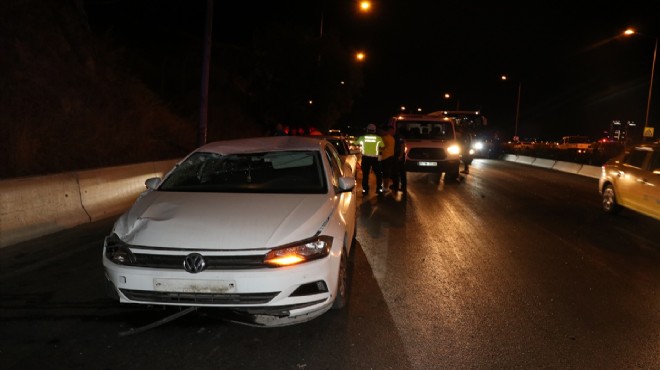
point(194, 263)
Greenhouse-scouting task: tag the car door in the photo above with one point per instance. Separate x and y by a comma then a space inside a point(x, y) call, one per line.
point(639, 188)
point(346, 204)
point(625, 180)
point(649, 185)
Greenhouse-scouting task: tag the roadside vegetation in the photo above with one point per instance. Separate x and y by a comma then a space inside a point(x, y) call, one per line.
point(75, 96)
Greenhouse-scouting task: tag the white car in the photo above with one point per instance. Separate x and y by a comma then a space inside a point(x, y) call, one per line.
point(350, 157)
point(263, 227)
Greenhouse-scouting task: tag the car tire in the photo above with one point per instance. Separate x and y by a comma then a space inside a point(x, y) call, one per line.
point(341, 295)
point(610, 205)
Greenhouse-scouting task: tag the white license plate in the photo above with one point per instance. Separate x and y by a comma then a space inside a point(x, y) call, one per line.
point(194, 286)
point(428, 164)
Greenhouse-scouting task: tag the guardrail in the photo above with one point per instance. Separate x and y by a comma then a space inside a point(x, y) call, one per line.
point(35, 206)
point(570, 167)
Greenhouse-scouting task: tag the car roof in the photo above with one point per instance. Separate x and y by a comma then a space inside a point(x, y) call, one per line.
point(655, 145)
point(331, 137)
point(262, 144)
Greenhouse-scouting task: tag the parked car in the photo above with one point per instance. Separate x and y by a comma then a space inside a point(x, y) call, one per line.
point(349, 156)
point(263, 227)
point(632, 180)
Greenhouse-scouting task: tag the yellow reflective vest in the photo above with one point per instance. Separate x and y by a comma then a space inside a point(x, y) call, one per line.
point(371, 144)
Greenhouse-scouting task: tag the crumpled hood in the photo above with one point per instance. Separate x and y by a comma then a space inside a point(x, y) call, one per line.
point(222, 221)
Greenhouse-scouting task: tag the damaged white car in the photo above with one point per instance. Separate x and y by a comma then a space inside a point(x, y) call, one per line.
point(263, 227)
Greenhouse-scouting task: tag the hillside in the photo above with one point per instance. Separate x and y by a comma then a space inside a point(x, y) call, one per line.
point(69, 101)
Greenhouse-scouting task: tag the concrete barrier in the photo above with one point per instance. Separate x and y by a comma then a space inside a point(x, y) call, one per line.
point(567, 167)
point(590, 171)
point(100, 200)
point(570, 167)
point(543, 162)
point(510, 157)
point(36, 206)
point(525, 159)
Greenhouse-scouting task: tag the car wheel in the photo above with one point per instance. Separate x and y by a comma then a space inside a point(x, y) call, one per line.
point(341, 295)
point(610, 204)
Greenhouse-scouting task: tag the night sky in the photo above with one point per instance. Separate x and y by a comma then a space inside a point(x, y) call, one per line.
point(576, 74)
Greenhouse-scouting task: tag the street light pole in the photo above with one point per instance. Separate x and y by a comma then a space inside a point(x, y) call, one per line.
point(648, 102)
point(629, 32)
point(515, 132)
point(204, 93)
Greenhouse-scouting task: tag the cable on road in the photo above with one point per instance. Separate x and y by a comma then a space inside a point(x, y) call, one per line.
point(157, 323)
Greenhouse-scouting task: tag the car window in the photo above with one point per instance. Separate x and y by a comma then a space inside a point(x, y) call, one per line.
point(340, 145)
point(655, 162)
point(636, 158)
point(335, 163)
point(426, 130)
point(267, 172)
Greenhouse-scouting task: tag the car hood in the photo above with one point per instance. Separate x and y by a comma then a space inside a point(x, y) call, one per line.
point(223, 221)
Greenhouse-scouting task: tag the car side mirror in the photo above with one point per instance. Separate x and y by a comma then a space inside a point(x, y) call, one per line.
point(152, 183)
point(346, 184)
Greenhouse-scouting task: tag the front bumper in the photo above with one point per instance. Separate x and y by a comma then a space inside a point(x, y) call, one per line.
point(431, 166)
point(303, 291)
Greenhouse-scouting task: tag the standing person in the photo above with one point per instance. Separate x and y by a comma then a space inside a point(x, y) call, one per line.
point(466, 151)
point(279, 130)
point(313, 131)
point(371, 145)
point(399, 180)
point(387, 158)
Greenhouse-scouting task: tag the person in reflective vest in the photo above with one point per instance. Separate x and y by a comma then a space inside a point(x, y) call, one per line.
point(371, 145)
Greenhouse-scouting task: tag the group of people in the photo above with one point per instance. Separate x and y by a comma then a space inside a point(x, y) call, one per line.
point(383, 153)
point(282, 130)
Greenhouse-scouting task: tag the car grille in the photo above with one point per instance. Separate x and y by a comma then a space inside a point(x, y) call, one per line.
point(421, 154)
point(198, 298)
point(175, 262)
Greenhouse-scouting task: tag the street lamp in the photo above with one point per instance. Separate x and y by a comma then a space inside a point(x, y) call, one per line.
point(515, 132)
point(629, 32)
point(364, 7)
point(458, 102)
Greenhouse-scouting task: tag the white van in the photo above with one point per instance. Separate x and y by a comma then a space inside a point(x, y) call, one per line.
point(431, 143)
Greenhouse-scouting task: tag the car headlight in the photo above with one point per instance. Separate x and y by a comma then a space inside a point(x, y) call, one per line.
point(304, 251)
point(478, 145)
point(117, 251)
point(454, 150)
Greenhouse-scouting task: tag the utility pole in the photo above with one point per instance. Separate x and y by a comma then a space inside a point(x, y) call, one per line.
point(206, 63)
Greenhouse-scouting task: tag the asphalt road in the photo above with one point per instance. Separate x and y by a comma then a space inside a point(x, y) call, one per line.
point(512, 267)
